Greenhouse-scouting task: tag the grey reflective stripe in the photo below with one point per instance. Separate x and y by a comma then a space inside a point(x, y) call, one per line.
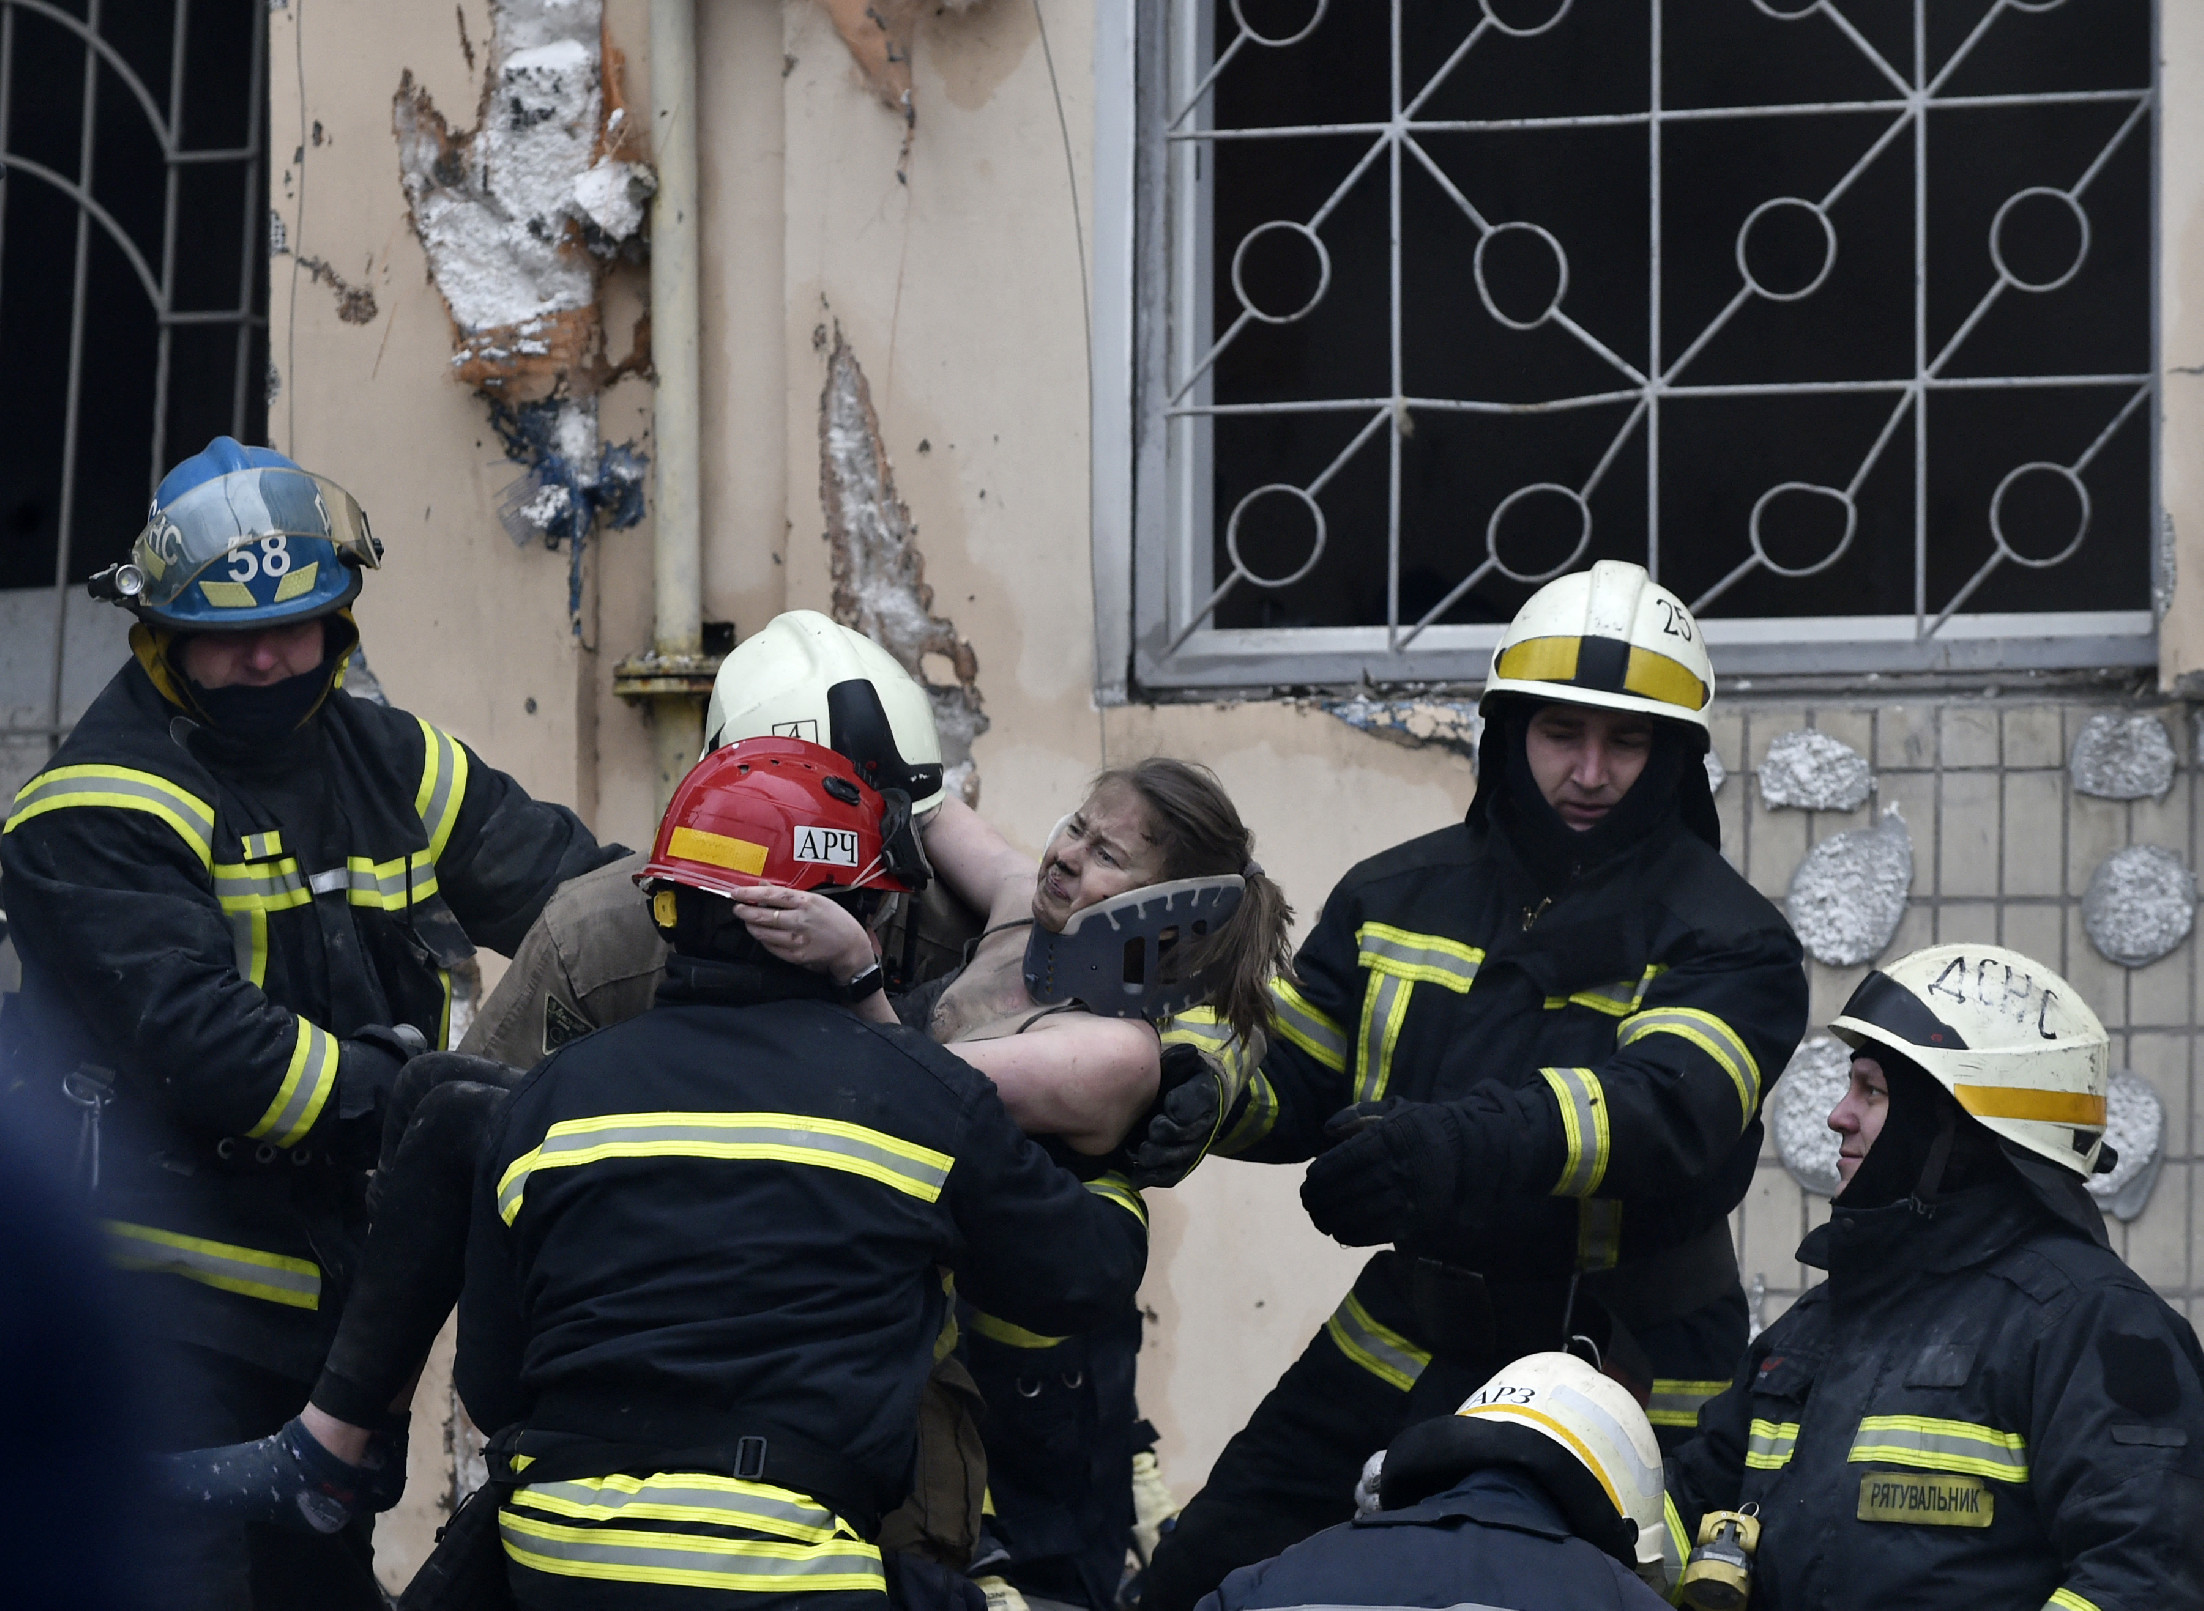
point(1377, 1348)
point(1768, 1444)
point(436, 803)
point(275, 1277)
point(1712, 1036)
point(1381, 949)
point(1382, 1011)
point(1933, 1444)
point(1306, 1027)
point(388, 887)
point(621, 1555)
point(328, 883)
point(316, 1075)
point(741, 1508)
point(255, 882)
point(98, 785)
point(1583, 1104)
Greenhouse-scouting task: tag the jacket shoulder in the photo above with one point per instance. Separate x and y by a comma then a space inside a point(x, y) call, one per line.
point(2054, 1266)
point(127, 724)
point(1710, 898)
point(1455, 847)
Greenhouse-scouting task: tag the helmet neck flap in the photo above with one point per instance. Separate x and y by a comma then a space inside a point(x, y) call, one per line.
point(1121, 958)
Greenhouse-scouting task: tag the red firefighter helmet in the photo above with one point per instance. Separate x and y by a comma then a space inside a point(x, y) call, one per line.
point(779, 811)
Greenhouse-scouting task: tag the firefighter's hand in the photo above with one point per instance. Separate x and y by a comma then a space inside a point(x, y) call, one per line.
point(1179, 1130)
point(369, 1062)
point(1416, 1167)
point(806, 928)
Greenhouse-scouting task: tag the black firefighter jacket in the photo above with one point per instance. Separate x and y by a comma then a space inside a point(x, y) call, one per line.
point(1983, 1409)
point(744, 1200)
point(210, 923)
point(1632, 1026)
point(1494, 1539)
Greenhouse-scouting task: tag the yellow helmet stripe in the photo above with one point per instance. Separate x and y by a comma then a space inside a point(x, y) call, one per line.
point(1576, 1445)
point(1648, 673)
point(2044, 1107)
point(1655, 676)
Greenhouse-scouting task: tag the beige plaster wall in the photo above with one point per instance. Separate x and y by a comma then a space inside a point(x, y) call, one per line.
point(2181, 336)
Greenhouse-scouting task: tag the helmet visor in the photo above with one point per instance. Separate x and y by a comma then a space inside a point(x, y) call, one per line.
point(218, 517)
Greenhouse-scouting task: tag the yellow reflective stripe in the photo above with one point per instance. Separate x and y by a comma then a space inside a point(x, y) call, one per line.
point(1117, 1189)
point(1583, 1104)
point(1256, 1119)
point(1930, 1444)
point(2068, 1600)
point(273, 1277)
point(1656, 676)
point(1423, 958)
point(263, 846)
point(683, 1497)
point(304, 1091)
point(249, 944)
point(1378, 1349)
point(1711, 1036)
point(1560, 1431)
point(1314, 1032)
point(1384, 1010)
point(1598, 1233)
point(1675, 1543)
point(259, 886)
point(125, 790)
point(1646, 672)
point(1618, 1000)
point(1540, 660)
point(796, 1138)
point(997, 1329)
point(1676, 1403)
point(1204, 1030)
point(2078, 1108)
point(389, 886)
point(1770, 1444)
point(689, 1559)
point(443, 786)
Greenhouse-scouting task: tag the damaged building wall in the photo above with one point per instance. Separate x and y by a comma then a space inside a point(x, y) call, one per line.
point(954, 271)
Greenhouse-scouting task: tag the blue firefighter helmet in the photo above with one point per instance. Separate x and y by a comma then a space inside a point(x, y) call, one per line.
point(241, 537)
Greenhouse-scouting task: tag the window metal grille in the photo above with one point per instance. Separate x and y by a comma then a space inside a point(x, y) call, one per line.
point(1836, 314)
point(133, 326)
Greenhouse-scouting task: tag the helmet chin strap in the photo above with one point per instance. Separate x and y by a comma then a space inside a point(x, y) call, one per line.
point(1939, 1154)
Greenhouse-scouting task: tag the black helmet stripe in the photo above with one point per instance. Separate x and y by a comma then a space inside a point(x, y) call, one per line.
point(1882, 1001)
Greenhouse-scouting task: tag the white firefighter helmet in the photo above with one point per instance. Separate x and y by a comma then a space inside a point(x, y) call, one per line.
point(2013, 1042)
point(805, 676)
point(1566, 1422)
point(1610, 636)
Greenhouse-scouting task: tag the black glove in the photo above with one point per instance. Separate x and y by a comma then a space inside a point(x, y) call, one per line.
point(368, 1064)
point(1419, 1170)
point(1180, 1128)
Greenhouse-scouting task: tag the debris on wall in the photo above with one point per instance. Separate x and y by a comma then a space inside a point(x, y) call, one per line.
point(1814, 772)
point(1717, 773)
point(1798, 1111)
point(355, 303)
point(2120, 757)
point(521, 218)
point(2135, 1127)
point(1448, 724)
point(880, 583)
point(880, 34)
point(2140, 904)
point(1849, 893)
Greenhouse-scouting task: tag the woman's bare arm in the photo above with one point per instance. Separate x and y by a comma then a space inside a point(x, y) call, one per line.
point(1083, 1078)
point(978, 864)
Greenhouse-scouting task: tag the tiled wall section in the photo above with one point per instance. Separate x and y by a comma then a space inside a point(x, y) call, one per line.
point(2002, 850)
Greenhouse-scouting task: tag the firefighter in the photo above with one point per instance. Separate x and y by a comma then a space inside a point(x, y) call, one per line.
point(1541, 1493)
point(1981, 1405)
point(237, 894)
point(702, 1292)
point(1528, 1050)
point(594, 957)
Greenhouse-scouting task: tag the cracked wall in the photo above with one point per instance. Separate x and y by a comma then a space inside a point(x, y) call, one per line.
point(878, 571)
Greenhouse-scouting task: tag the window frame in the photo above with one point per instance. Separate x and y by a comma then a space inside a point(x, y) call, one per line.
point(1152, 536)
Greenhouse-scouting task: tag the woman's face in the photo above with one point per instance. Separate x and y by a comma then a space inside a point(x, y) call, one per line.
point(1102, 849)
point(1859, 1117)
